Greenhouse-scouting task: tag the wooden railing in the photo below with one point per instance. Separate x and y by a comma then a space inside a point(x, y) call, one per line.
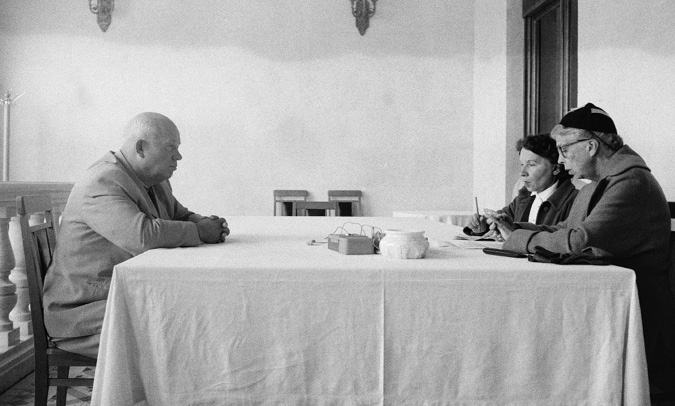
point(16, 329)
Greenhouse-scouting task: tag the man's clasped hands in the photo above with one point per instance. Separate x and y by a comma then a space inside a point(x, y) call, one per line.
point(212, 229)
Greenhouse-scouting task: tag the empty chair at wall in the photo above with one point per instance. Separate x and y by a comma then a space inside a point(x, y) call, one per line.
point(349, 202)
point(316, 208)
point(285, 200)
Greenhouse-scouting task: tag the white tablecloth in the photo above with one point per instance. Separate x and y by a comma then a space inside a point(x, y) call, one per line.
point(267, 319)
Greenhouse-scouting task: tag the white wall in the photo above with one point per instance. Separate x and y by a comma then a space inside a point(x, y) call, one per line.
point(627, 67)
point(515, 89)
point(498, 99)
point(267, 95)
point(490, 116)
point(271, 95)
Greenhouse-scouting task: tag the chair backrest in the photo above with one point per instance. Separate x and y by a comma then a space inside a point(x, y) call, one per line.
point(280, 194)
point(287, 199)
point(349, 201)
point(39, 241)
point(303, 208)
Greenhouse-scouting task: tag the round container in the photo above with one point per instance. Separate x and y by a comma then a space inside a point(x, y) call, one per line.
point(404, 244)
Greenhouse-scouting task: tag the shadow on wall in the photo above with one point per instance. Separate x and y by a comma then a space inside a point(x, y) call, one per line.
point(278, 30)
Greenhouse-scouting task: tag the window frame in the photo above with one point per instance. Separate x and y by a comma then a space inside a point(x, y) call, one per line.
point(533, 11)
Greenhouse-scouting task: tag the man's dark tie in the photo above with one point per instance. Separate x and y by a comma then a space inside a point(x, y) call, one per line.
point(153, 198)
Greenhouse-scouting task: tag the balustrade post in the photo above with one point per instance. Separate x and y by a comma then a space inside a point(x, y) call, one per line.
point(9, 334)
point(21, 313)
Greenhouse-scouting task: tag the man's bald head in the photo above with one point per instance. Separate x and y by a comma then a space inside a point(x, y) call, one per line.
point(150, 145)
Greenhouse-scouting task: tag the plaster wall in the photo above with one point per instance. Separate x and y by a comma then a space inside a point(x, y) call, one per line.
point(267, 95)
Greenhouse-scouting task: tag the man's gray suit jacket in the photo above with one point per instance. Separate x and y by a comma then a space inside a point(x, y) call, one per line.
point(109, 218)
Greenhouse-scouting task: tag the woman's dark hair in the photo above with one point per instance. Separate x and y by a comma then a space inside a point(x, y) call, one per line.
point(544, 146)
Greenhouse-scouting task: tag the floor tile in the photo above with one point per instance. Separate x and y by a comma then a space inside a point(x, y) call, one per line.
point(22, 393)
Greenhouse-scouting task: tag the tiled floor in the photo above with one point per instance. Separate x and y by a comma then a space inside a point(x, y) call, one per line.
point(21, 394)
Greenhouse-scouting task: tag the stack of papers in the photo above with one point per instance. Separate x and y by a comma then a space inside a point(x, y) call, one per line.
point(466, 242)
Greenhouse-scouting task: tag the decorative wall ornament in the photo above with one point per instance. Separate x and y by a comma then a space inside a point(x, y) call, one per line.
point(363, 10)
point(103, 10)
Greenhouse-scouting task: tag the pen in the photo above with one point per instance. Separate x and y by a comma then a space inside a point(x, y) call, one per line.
point(477, 210)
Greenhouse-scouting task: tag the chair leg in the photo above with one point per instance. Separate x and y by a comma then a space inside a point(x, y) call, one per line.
point(41, 381)
point(41, 391)
point(61, 391)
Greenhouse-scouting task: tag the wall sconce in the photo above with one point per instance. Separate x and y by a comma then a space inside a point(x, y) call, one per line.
point(103, 10)
point(363, 10)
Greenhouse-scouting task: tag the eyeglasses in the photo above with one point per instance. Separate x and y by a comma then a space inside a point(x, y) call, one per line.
point(562, 150)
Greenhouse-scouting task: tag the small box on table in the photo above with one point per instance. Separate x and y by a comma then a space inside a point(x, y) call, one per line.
point(351, 244)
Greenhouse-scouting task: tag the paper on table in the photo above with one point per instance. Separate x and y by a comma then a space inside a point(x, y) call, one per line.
point(465, 244)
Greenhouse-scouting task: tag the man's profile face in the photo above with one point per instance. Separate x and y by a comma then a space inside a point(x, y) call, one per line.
point(161, 156)
point(573, 152)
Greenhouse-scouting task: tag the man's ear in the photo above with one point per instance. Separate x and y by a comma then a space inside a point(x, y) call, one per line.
point(593, 147)
point(139, 148)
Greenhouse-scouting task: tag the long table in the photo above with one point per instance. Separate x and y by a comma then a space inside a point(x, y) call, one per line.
point(266, 319)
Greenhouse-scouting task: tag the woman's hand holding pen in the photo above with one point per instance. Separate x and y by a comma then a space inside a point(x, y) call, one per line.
point(478, 224)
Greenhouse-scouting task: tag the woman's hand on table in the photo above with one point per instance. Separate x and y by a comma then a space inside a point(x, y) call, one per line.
point(500, 224)
point(494, 234)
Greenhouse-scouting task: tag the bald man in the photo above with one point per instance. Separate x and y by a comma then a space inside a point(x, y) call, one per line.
point(123, 206)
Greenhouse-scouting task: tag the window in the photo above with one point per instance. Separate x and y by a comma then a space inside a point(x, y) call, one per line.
point(550, 62)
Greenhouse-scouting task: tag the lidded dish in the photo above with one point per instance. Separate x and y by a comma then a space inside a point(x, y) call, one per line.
point(404, 244)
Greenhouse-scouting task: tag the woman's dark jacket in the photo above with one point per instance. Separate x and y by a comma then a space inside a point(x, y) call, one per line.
point(551, 212)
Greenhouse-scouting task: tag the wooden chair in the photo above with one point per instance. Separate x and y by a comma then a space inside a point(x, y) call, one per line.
point(669, 397)
point(38, 247)
point(287, 200)
point(349, 202)
point(303, 208)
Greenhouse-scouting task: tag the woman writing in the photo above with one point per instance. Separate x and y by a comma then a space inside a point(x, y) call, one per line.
point(547, 194)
